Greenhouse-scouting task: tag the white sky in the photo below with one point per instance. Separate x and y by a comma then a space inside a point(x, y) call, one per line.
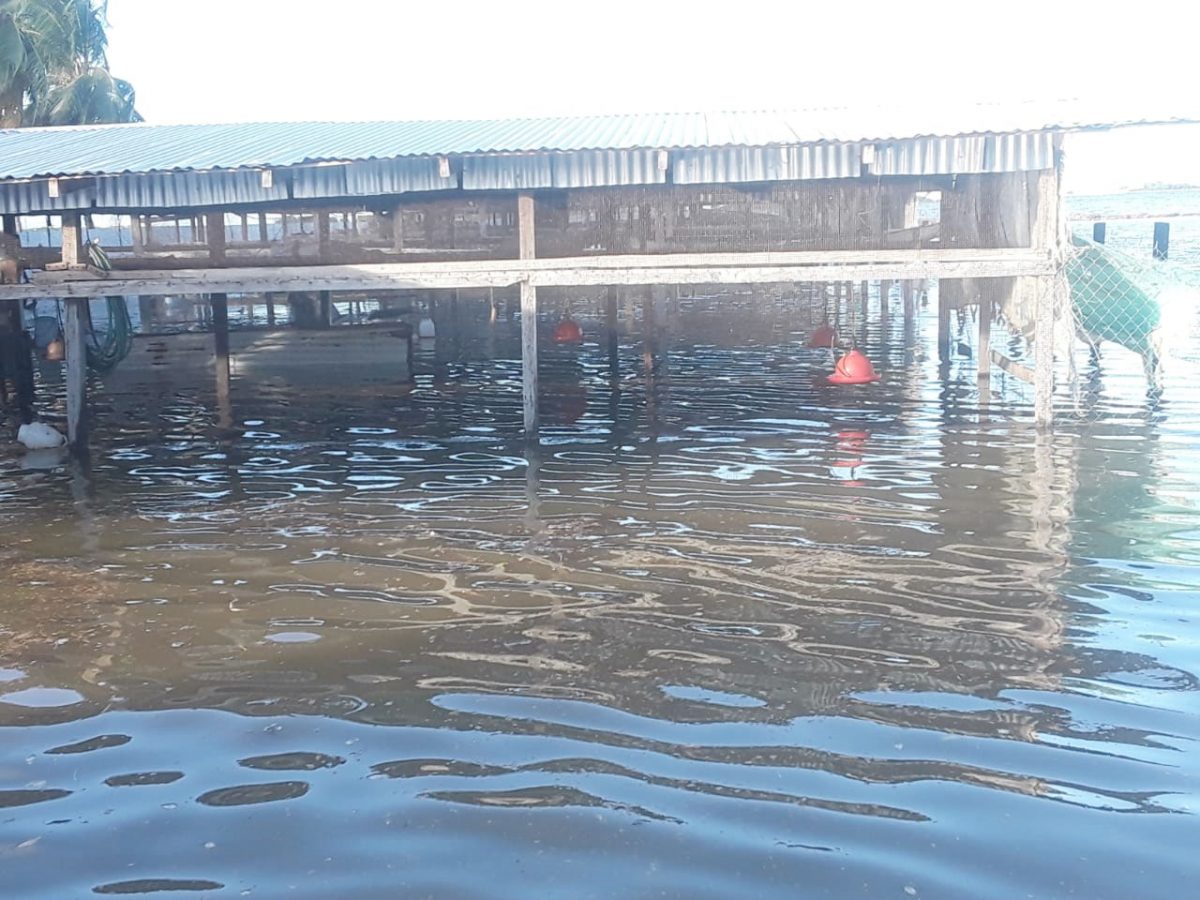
point(246, 60)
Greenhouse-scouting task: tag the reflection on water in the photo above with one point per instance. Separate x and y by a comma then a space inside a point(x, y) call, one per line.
point(726, 631)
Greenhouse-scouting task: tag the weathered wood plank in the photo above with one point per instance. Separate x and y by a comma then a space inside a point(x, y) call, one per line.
point(1011, 366)
point(526, 246)
point(730, 268)
point(72, 240)
point(214, 227)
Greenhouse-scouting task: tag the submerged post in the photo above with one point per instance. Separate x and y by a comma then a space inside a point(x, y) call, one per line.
point(1099, 232)
point(529, 311)
point(943, 333)
point(75, 338)
point(648, 331)
point(884, 309)
point(610, 316)
point(1049, 232)
point(984, 354)
point(220, 318)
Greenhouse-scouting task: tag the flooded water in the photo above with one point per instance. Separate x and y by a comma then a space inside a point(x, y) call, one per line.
point(725, 632)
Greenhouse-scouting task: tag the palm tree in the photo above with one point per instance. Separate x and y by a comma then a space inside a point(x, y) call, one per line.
point(54, 67)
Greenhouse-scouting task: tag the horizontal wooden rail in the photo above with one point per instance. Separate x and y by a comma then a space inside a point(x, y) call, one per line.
point(1012, 367)
point(677, 268)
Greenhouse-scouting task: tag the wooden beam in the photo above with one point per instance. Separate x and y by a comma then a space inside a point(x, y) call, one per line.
point(526, 244)
point(397, 228)
point(214, 226)
point(322, 228)
point(72, 240)
point(692, 268)
point(75, 337)
point(1011, 366)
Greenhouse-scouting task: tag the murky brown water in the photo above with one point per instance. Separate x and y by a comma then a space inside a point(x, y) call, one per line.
point(729, 633)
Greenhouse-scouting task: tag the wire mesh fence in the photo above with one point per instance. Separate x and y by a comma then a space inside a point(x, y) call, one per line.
point(1128, 329)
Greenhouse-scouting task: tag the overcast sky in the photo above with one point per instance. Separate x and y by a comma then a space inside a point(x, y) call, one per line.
point(247, 60)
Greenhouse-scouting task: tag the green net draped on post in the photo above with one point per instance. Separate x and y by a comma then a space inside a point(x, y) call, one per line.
point(1113, 297)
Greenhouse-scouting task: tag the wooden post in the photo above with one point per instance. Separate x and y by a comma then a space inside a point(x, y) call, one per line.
point(326, 308)
point(864, 309)
point(220, 317)
point(1048, 231)
point(398, 228)
point(215, 227)
point(884, 309)
point(943, 332)
point(1043, 354)
point(270, 309)
point(984, 350)
point(529, 309)
point(262, 228)
point(322, 225)
point(648, 331)
point(1099, 232)
point(72, 240)
point(75, 338)
point(610, 315)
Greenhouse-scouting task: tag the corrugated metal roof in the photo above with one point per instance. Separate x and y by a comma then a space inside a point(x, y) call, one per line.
point(114, 149)
point(727, 165)
point(584, 168)
point(965, 154)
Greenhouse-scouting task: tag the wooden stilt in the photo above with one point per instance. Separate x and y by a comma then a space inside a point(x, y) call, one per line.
point(648, 331)
point(215, 229)
point(326, 308)
point(984, 350)
point(943, 334)
point(610, 316)
point(220, 317)
point(270, 297)
point(884, 308)
point(529, 357)
point(1043, 354)
point(76, 358)
point(529, 310)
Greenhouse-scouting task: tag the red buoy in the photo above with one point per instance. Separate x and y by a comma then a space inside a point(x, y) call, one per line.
point(853, 368)
point(824, 336)
point(568, 332)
